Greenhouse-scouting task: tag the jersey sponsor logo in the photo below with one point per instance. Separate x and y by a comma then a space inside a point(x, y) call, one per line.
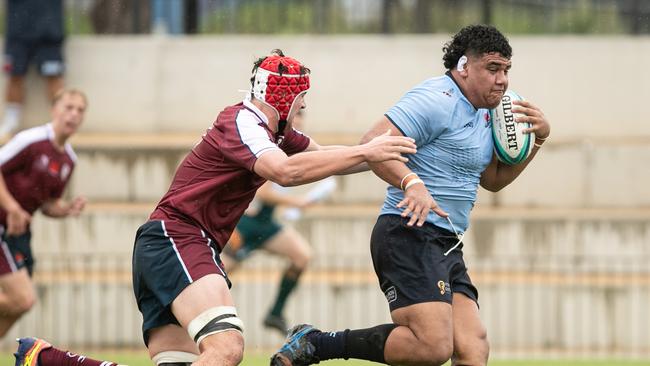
point(469, 124)
point(488, 121)
point(53, 167)
point(444, 287)
point(448, 92)
point(391, 294)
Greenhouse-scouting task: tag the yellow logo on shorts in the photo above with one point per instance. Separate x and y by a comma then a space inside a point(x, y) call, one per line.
point(444, 287)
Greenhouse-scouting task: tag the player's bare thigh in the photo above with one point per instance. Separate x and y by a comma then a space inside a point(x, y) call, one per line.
point(289, 243)
point(429, 335)
point(470, 336)
point(170, 337)
point(17, 292)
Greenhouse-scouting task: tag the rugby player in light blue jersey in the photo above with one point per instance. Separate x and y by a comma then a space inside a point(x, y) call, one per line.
point(417, 240)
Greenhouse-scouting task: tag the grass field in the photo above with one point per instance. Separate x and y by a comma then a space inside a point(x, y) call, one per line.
point(138, 359)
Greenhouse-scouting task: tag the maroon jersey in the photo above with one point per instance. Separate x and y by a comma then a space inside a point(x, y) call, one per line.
point(215, 182)
point(34, 169)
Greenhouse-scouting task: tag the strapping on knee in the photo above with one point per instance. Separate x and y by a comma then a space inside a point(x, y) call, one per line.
point(215, 320)
point(174, 358)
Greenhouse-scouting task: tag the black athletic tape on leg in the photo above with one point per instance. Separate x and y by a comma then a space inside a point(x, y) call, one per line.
point(216, 325)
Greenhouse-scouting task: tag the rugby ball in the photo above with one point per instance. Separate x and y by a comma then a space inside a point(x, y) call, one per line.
point(511, 145)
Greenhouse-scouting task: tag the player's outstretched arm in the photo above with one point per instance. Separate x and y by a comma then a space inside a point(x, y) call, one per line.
point(498, 175)
point(363, 167)
point(310, 166)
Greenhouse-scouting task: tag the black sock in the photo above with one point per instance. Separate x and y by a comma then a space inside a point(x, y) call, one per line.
point(364, 344)
point(287, 285)
point(329, 345)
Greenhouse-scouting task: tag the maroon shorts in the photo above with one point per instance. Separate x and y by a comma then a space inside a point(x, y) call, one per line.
point(168, 256)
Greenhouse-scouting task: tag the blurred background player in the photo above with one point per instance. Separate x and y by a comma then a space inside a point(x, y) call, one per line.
point(36, 166)
point(416, 248)
point(34, 34)
point(259, 229)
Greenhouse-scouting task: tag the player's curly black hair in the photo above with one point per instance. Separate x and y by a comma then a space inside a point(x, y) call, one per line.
point(281, 67)
point(475, 40)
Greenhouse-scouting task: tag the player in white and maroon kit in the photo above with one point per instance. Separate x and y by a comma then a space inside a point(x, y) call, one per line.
point(36, 166)
point(179, 281)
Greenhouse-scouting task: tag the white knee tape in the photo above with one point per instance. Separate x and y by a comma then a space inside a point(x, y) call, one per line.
point(174, 357)
point(215, 320)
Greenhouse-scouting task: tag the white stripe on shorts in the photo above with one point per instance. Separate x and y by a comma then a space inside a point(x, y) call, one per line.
point(171, 240)
point(214, 254)
point(10, 258)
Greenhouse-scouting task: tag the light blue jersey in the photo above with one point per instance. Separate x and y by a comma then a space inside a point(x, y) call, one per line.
point(454, 147)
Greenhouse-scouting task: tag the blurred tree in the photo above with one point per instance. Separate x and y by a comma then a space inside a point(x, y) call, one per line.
point(387, 8)
point(422, 16)
point(487, 11)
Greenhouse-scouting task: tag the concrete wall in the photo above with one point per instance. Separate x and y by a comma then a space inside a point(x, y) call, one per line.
point(587, 86)
point(579, 174)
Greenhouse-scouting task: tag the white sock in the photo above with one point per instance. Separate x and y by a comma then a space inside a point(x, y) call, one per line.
point(13, 113)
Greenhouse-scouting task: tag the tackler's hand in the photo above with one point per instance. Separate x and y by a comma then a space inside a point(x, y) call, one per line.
point(386, 147)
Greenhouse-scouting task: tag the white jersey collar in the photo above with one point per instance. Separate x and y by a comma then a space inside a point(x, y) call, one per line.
point(253, 108)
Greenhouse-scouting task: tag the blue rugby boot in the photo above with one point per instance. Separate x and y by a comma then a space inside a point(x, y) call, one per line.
point(28, 350)
point(297, 350)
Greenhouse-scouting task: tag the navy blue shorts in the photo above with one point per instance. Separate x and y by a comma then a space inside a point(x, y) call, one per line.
point(167, 257)
point(47, 55)
point(411, 266)
point(16, 253)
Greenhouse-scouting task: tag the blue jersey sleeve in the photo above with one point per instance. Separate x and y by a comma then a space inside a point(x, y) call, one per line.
point(420, 115)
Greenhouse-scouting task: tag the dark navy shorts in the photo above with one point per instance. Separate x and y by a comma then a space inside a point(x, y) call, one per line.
point(167, 257)
point(47, 55)
point(411, 266)
point(16, 253)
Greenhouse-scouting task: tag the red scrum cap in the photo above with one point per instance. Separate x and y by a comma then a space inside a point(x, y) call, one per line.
point(278, 81)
